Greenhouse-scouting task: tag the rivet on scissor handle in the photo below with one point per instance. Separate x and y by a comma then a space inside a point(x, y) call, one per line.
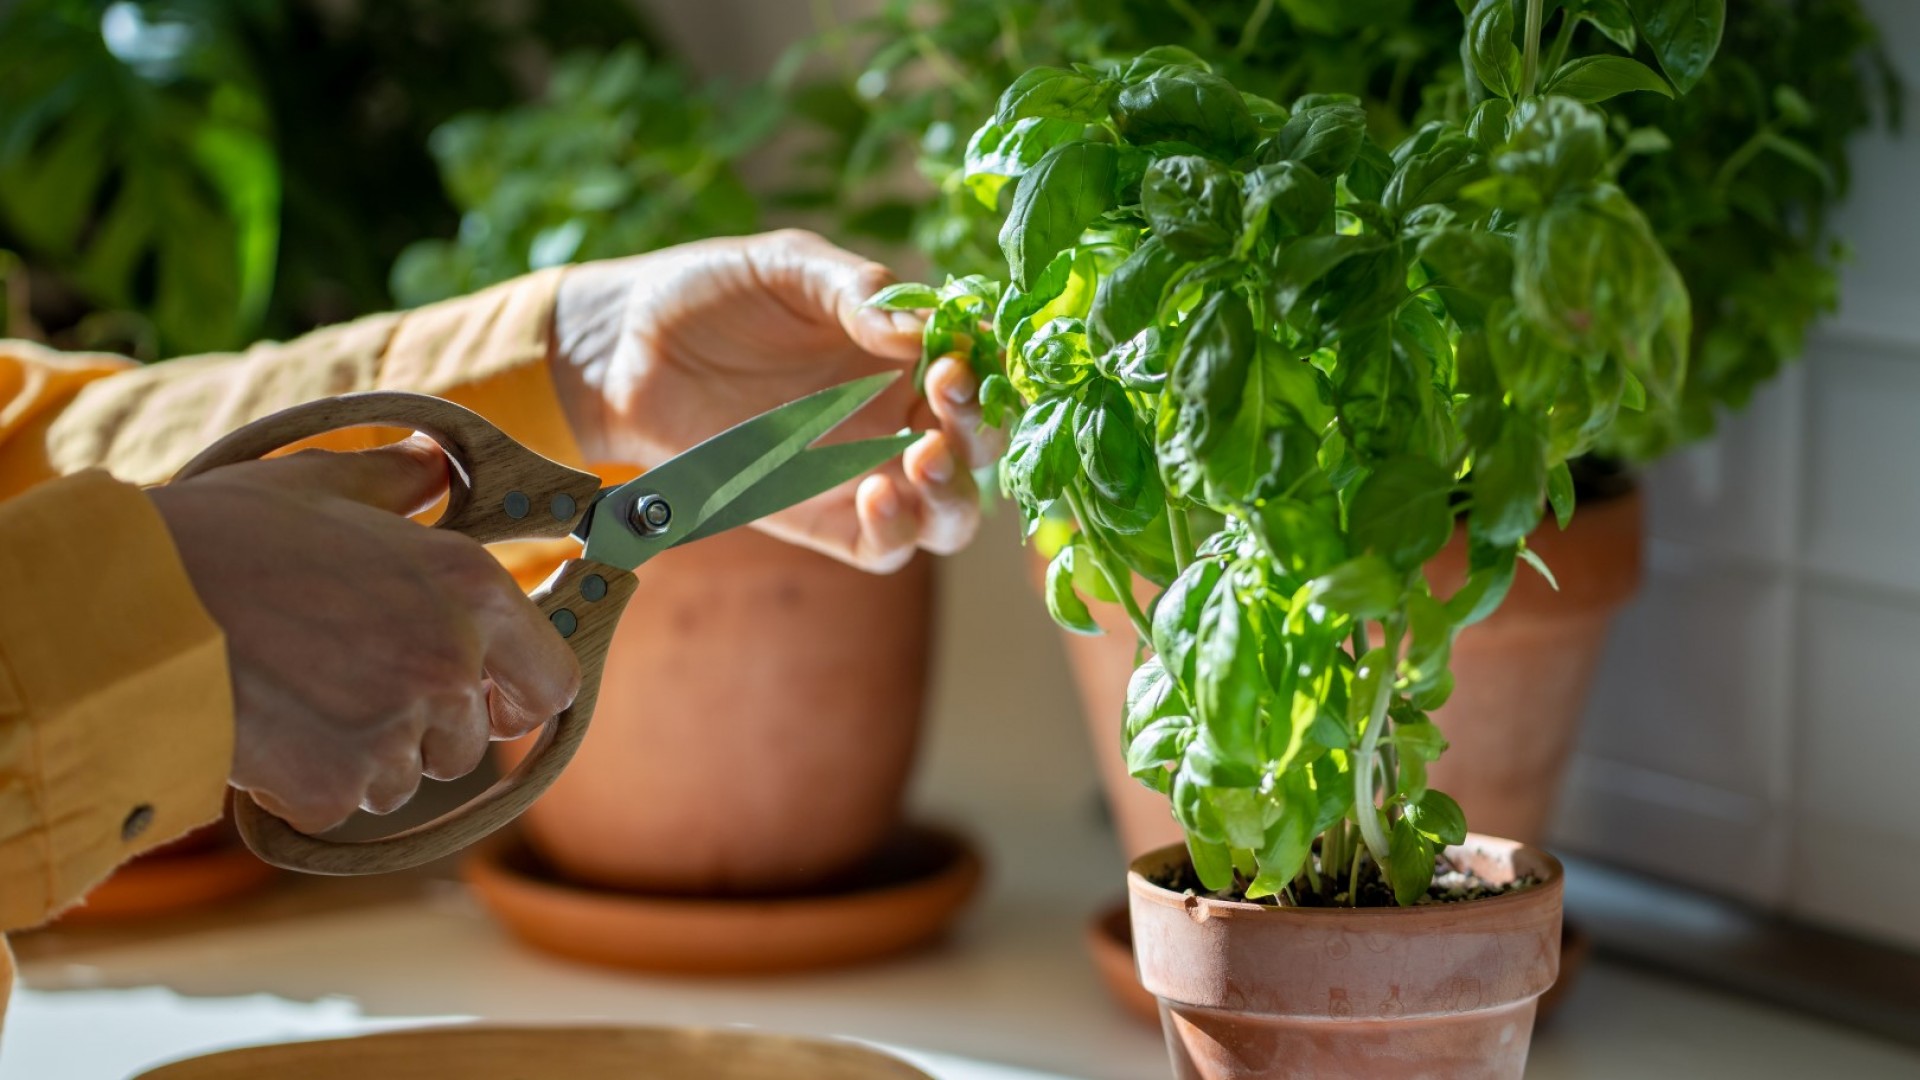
point(562, 507)
point(564, 621)
point(651, 515)
point(593, 587)
point(517, 504)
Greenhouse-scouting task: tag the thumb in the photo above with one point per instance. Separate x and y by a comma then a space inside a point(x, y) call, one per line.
point(403, 478)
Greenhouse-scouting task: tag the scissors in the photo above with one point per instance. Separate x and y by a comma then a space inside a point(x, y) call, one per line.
point(500, 490)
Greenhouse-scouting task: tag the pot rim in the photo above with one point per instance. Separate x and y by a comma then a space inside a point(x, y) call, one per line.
point(1553, 879)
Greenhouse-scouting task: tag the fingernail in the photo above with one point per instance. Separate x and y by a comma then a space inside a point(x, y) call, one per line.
point(906, 322)
point(962, 389)
point(886, 503)
point(939, 467)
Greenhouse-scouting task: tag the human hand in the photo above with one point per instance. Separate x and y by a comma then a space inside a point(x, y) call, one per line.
point(365, 649)
point(657, 352)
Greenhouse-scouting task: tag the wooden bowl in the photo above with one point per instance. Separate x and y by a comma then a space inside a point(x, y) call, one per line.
point(520, 1053)
point(905, 896)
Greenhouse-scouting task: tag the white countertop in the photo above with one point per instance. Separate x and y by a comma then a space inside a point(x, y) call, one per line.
point(1010, 997)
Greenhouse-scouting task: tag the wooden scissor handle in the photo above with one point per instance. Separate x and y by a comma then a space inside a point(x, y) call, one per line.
point(500, 491)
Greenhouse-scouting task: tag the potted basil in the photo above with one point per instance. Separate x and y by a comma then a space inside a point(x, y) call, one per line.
point(1736, 176)
point(1262, 361)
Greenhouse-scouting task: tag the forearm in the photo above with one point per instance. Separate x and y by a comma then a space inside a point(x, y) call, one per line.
point(490, 351)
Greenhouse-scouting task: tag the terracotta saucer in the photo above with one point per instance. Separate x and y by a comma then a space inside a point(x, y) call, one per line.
point(1110, 943)
point(577, 1053)
point(905, 896)
point(167, 881)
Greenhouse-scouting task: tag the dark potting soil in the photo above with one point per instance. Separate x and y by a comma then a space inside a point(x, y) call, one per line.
point(1450, 885)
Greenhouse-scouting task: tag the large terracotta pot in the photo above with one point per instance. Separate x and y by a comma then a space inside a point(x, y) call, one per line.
point(1520, 680)
point(1249, 991)
point(756, 726)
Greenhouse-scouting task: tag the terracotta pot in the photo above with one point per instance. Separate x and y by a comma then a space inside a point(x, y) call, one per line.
point(756, 727)
point(1521, 677)
point(1248, 991)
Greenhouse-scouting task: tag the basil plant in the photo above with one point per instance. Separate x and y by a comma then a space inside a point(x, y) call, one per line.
point(1266, 364)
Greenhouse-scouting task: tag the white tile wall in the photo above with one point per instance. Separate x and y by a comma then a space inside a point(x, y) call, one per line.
point(1756, 725)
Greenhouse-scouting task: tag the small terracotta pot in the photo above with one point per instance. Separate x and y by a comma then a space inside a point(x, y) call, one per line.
point(1521, 676)
point(756, 728)
point(1248, 991)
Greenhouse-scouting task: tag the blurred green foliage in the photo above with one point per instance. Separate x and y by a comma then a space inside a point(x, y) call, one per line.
point(622, 156)
point(1737, 176)
point(183, 175)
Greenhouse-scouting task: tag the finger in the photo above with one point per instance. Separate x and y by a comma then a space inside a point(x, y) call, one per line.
point(307, 814)
point(950, 503)
point(533, 672)
point(396, 777)
point(456, 743)
point(954, 395)
point(838, 283)
point(403, 478)
point(889, 526)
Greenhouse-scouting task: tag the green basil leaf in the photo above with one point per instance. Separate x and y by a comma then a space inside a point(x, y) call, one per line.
point(1151, 695)
point(1063, 603)
point(998, 401)
point(905, 296)
point(1054, 203)
point(1150, 62)
point(1288, 194)
point(1283, 852)
point(1433, 176)
point(1303, 539)
point(1438, 818)
point(1227, 674)
point(1040, 457)
point(1055, 93)
point(1509, 482)
point(1409, 857)
point(1212, 862)
point(1560, 493)
point(1193, 205)
point(998, 153)
point(1185, 105)
point(1429, 642)
point(1139, 364)
point(1489, 577)
point(1114, 455)
point(1363, 588)
point(1373, 667)
point(1684, 34)
point(1176, 618)
point(1325, 138)
point(1590, 273)
point(1129, 295)
point(1470, 270)
point(1402, 511)
point(1306, 261)
point(1597, 78)
point(1418, 738)
point(1056, 356)
point(1614, 19)
point(1332, 789)
point(1494, 58)
point(1557, 144)
point(1158, 744)
point(1209, 376)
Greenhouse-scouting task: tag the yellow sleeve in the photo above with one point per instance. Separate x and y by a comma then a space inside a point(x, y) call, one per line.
point(115, 708)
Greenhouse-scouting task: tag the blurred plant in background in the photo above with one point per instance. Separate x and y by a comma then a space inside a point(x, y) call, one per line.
point(624, 155)
point(183, 175)
point(1737, 177)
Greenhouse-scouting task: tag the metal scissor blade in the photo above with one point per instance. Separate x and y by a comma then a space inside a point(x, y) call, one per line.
point(708, 479)
point(816, 470)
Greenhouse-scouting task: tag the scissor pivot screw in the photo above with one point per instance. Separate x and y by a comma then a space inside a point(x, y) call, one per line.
point(652, 515)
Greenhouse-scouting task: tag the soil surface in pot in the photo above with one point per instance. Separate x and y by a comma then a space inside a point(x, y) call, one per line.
point(1451, 885)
